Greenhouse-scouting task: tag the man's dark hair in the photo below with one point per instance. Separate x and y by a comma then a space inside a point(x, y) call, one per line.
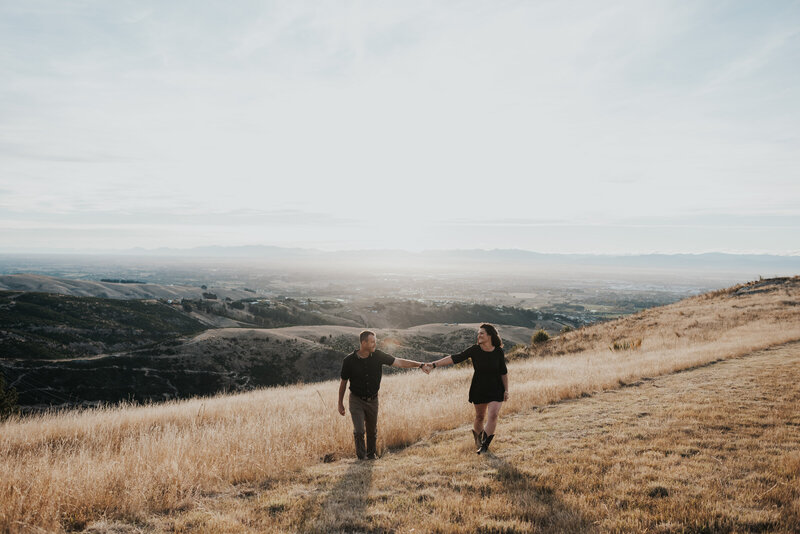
point(362, 337)
point(492, 331)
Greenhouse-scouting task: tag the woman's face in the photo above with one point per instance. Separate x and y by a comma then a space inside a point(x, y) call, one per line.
point(483, 337)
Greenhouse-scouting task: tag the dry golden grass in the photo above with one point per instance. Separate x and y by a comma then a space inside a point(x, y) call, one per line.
point(61, 472)
point(714, 449)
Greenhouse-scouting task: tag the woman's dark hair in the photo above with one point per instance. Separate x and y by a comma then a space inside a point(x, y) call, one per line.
point(492, 331)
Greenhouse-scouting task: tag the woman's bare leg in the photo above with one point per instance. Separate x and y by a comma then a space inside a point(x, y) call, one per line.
point(480, 417)
point(494, 412)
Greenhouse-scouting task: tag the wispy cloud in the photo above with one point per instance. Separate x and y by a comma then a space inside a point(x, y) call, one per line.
point(698, 221)
point(178, 216)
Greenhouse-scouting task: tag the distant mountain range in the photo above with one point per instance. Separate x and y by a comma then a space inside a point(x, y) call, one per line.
point(769, 263)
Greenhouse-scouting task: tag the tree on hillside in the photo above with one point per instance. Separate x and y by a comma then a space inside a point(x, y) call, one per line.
point(540, 337)
point(8, 399)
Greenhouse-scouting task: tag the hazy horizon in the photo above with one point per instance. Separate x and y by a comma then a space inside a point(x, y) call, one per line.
point(256, 248)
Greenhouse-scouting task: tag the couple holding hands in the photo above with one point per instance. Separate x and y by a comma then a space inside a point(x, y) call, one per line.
point(364, 369)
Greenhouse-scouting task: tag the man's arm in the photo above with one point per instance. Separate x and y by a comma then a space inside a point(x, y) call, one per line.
point(342, 387)
point(407, 364)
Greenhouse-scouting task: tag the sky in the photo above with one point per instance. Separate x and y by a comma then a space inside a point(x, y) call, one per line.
point(615, 127)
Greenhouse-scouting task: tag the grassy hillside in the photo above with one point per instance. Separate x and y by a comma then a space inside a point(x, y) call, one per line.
point(128, 468)
point(45, 326)
point(127, 289)
point(687, 322)
point(673, 454)
point(423, 342)
point(79, 351)
point(225, 360)
point(384, 313)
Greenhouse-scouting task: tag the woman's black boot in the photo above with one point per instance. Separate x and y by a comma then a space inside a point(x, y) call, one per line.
point(485, 443)
point(478, 438)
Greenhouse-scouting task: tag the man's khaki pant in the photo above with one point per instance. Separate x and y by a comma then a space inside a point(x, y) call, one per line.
point(365, 419)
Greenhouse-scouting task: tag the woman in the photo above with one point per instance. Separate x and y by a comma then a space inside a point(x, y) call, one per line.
point(489, 387)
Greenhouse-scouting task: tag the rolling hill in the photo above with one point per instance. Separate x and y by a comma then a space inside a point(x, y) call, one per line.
point(38, 326)
point(224, 359)
point(111, 290)
point(65, 350)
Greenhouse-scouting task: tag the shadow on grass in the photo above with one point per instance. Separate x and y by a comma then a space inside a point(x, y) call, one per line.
point(344, 507)
point(536, 502)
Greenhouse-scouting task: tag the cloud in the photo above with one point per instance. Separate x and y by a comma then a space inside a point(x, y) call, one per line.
point(31, 151)
point(184, 216)
point(394, 112)
point(702, 218)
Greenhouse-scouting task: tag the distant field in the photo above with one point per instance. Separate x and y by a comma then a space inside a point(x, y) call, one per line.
point(129, 468)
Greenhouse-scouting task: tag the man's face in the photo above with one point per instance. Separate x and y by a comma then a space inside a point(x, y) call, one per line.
point(369, 344)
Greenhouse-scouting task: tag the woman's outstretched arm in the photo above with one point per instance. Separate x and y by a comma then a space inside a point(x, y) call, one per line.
point(447, 360)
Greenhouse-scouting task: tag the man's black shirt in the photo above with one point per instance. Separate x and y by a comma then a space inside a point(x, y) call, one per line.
point(365, 374)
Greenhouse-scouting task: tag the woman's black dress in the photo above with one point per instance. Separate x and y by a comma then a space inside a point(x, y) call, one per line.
point(487, 383)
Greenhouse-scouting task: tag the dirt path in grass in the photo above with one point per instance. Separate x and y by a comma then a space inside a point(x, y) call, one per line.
point(711, 449)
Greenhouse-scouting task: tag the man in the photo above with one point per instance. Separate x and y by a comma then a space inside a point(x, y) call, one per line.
point(364, 369)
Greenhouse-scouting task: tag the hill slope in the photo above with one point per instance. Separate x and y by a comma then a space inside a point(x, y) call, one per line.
point(652, 457)
point(735, 311)
point(223, 359)
point(111, 290)
point(49, 327)
point(157, 467)
point(76, 351)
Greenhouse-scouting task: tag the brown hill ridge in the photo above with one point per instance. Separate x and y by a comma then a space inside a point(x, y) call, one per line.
point(697, 319)
point(111, 290)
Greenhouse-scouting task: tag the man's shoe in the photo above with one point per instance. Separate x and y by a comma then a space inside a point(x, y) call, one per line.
point(372, 442)
point(485, 444)
point(361, 449)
